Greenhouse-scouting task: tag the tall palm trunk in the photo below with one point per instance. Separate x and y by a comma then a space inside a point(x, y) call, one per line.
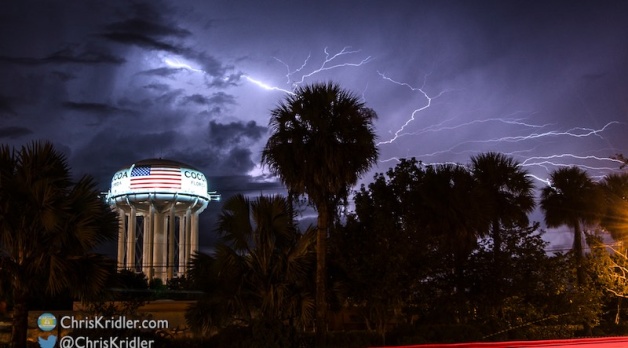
point(321, 301)
point(498, 290)
point(20, 317)
point(578, 248)
point(497, 240)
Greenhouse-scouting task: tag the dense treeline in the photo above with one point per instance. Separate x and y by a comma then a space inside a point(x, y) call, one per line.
point(430, 253)
point(424, 253)
point(427, 249)
point(417, 259)
point(49, 227)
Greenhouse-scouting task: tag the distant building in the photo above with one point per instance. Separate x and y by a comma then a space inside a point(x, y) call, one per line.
point(158, 202)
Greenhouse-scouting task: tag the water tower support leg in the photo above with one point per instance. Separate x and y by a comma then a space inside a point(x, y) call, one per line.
point(151, 242)
point(181, 270)
point(188, 235)
point(194, 235)
point(170, 263)
point(130, 243)
point(121, 261)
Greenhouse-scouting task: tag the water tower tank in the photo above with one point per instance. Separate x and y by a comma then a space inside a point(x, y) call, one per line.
point(158, 201)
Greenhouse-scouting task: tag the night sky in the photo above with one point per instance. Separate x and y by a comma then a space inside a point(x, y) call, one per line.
point(114, 82)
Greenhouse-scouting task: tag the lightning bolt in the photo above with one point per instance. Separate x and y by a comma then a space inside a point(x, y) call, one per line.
point(178, 65)
point(553, 161)
point(545, 181)
point(531, 160)
point(290, 73)
point(330, 62)
point(348, 57)
point(576, 132)
point(265, 86)
point(428, 103)
point(439, 127)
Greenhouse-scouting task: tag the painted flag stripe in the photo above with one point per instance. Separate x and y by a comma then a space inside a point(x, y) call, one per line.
point(155, 177)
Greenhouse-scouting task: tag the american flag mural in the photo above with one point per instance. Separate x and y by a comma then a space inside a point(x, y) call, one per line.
point(157, 176)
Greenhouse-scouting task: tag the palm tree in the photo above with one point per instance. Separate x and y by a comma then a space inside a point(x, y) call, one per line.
point(262, 263)
point(505, 192)
point(322, 141)
point(49, 226)
point(571, 199)
point(615, 205)
point(446, 193)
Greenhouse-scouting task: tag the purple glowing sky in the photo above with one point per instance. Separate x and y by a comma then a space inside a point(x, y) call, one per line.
point(113, 82)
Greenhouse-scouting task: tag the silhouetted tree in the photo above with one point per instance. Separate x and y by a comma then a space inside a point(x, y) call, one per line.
point(446, 194)
point(614, 210)
point(49, 226)
point(571, 199)
point(505, 192)
point(322, 141)
point(381, 248)
point(261, 266)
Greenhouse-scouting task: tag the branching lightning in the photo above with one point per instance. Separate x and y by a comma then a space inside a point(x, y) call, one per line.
point(552, 161)
point(329, 63)
point(530, 161)
point(290, 73)
point(439, 127)
point(523, 129)
point(428, 103)
point(576, 132)
point(178, 65)
point(265, 86)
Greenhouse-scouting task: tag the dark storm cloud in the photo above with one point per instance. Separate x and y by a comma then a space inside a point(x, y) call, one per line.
point(14, 132)
point(101, 111)
point(210, 64)
point(234, 133)
point(222, 98)
point(147, 29)
point(67, 56)
point(113, 148)
point(159, 87)
point(63, 76)
point(195, 99)
point(144, 42)
point(228, 80)
point(161, 72)
point(233, 184)
point(6, 107)
point(170, 97)
point(212, 161)
point(158, 33)
point(94, 107)
point(141, 26)
point(213, 112)
point(239, 160)
point(218, 98)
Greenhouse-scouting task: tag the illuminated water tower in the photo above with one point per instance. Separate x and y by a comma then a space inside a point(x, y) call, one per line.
point(158, 202)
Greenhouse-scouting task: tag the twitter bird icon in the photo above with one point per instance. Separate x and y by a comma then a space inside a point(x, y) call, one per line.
point(48, 342)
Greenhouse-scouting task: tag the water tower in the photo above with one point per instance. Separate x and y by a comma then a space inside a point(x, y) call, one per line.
point(158, 202)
